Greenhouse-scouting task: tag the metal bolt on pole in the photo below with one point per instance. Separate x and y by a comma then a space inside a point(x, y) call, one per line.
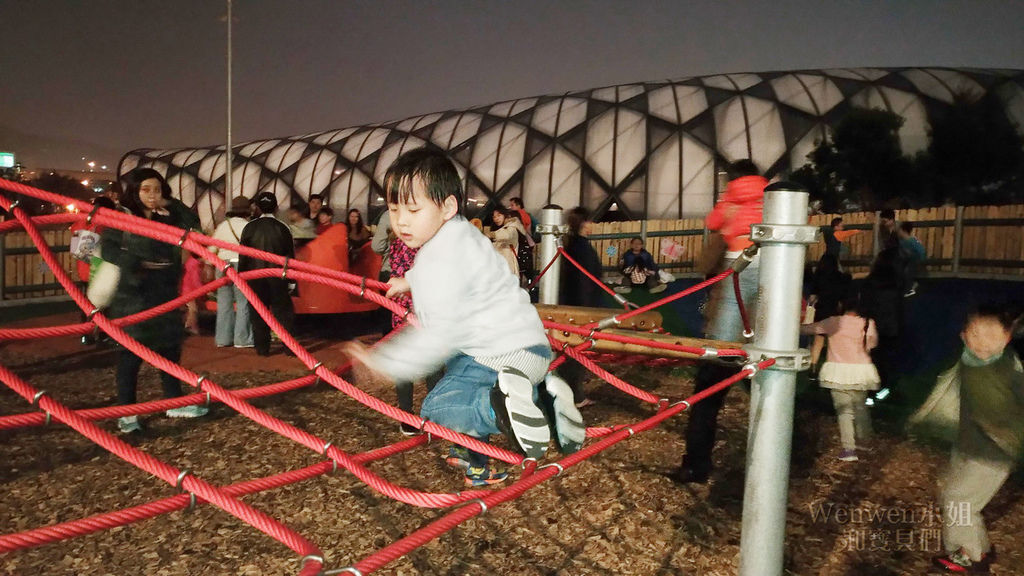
point(783, 240)
point(550, 229)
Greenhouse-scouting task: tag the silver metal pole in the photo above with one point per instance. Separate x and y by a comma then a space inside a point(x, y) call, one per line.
point(228, 160)
point(783, 239)
point(550, 229)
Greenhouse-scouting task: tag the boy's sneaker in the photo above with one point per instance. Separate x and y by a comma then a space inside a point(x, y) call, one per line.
point(187, 412)
point(458, 457)
point(518, 416)
point(622, 289)
point(659, 288)
point(563, 416)
point(484, 476)
point(129, 424)
point(960, 563)
point(848, 455)
point(408, 429)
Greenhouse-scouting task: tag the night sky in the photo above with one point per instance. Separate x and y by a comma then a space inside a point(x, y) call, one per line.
point(102, 77)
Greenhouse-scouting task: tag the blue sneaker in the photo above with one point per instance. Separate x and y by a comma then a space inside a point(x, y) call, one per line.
point(458, 457)
point(484, 476)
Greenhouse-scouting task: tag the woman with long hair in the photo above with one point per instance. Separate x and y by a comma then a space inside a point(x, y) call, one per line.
point(150, 275)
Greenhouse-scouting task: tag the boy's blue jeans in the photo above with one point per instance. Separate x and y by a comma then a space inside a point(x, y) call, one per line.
point(461, 400)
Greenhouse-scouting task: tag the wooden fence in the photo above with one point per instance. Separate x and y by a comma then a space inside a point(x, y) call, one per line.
point(973, 241)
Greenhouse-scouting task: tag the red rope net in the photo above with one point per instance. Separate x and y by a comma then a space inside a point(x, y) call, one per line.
point(195, 491)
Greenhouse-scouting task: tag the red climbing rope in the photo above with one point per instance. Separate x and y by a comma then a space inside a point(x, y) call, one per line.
point(196, 491)
point(739, 302)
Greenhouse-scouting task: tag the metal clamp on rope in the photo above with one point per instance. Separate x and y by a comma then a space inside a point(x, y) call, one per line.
point(483, 505)
point(753, 369)
point(14, 205)
point(748, 334)
point(621, 299)
point(744, 259)
point(346, 570)
point(789, 360)
point(684, 403)
point(35, 399)
point(225, 267)
point(710, 353)
point(312, 557)
point(88, 219)
point(284, 271)
point(207, 400)
point(181, 242)
point(609, 321)
point(181, 479)
point(92, 313)
point(552, 465)
point(784, 233)
point(334, 463)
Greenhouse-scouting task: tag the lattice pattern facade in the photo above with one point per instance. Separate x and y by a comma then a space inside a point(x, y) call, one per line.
point(652, 149)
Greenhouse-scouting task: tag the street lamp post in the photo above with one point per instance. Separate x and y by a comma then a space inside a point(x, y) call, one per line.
point(228, 160)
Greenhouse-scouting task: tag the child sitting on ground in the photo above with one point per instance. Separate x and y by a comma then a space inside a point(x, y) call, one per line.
point(848, 371)
point(639, 269)
point(989, 442)
point(462, 290)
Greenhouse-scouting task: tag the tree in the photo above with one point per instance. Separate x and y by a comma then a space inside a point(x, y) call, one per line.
point(861, 166)
point(977, 157)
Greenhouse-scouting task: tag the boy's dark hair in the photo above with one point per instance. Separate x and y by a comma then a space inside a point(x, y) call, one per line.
point(836, 222)
point(517, 201)
point(575, 219)
point(430, 166)
point(907, 227)
point(266, 202)
point(1002, 313)
point(635, 238)
point(104, 202)
point(887, 214)
point(327, 210)
point(319, 197)
point(744, 167)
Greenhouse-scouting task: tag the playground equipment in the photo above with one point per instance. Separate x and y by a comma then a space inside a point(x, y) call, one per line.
point(772, 394)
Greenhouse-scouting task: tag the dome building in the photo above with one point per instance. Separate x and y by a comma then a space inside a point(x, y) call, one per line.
point(652, 149)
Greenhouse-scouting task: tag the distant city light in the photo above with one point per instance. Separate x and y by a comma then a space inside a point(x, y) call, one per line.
point(104, 167)
point(92, 164)
point(85, 182)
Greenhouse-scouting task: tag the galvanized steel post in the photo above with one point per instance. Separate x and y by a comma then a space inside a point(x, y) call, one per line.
point(551, 230)
point(783, 238)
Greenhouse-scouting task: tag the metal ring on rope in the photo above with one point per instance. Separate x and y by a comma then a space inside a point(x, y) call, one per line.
point(181, 478)
point(35, 399)
point(684, 402)
point(181, 242)
point(362, 287)
point(526, 461)
point(753, 369)
point(92, 313)
point(225, 267)
point(552, 464)
point(14, 205)
point(207, 400)
point(284, 271)
point(483, 505)
point(748, 333)
point(348, 569)
point(191, 500)
point(312, 557)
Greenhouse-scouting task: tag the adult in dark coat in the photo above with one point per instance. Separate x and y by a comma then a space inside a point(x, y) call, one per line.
point(882, 296)
point(150, 275)
point(575, 289)
point(829, 287)
point(268, 234)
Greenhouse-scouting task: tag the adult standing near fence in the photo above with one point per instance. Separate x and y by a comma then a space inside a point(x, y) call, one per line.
point(268, 234)
point(738, 208)
point(233, 326)
point(150, 275)
point(576, 289)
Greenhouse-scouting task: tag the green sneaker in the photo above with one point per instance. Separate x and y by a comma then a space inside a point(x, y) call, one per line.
point(484, 476)
point(458, 457)
point(187, 412)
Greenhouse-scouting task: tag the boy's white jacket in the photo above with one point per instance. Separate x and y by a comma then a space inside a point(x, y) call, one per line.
point(467, 301)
